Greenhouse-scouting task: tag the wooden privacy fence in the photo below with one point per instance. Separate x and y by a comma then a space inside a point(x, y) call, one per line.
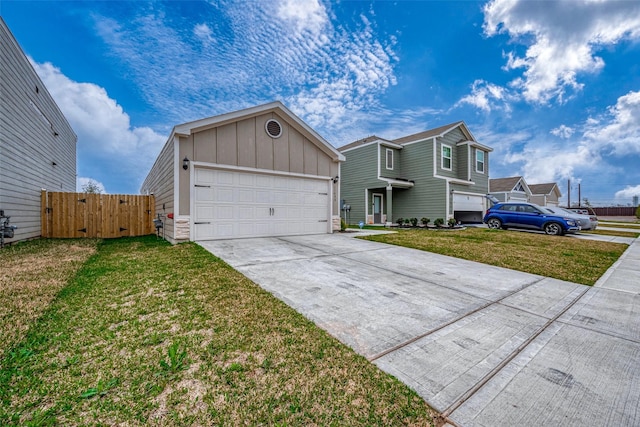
point(615, 211)
point(96, 215)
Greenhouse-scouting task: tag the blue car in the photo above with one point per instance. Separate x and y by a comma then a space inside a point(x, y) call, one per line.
point(529, 216)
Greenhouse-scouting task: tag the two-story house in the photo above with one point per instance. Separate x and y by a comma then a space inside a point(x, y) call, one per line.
point(439, 173)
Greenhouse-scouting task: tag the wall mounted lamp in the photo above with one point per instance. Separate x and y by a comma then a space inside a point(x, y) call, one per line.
point(335, 179)
point(185, 163)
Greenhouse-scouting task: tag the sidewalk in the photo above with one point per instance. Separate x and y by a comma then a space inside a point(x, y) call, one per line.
point(624, 274)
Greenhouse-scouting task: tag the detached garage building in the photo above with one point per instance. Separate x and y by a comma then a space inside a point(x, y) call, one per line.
point(257, 172)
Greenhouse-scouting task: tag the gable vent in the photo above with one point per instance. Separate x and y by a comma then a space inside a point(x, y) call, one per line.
point(274, 129)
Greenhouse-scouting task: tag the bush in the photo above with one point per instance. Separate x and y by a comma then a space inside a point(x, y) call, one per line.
point(439, 222)
point(425, 221)
point(407, 221)
point(452, 222)
point(400, 221)
point(414, 221)
point(343, 224)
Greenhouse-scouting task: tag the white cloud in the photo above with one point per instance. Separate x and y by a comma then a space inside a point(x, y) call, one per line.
point(487, 96)
point(82, 181)
point(562, 38)
point(562, 131)
point(204, 33)
point(305, 15)
point(618, 130)
point(263, 51)
point(550, 163)
point(107, 143)
point(629, 192)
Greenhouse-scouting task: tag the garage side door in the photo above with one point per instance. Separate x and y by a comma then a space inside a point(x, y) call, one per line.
point(230, 204)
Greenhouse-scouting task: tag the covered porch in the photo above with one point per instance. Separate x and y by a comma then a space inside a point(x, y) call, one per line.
point(379, 201)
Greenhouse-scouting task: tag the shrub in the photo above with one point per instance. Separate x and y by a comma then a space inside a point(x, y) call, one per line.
point(439, 222)
point(400, 221)
point(414, 221)
point(343, 224)
point(407, 221)
point(452, 222)
point(425, 221)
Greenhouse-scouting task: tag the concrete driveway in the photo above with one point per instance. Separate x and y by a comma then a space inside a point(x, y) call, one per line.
point(483, 345)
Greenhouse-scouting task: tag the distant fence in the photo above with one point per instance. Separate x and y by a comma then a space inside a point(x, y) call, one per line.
point(106, 216)
point(616, 211)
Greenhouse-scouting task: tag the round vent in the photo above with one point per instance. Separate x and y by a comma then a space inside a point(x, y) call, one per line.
point(274, 129)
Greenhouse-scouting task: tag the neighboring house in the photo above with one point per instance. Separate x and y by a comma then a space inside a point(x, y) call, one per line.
point(512, 189)
point(37, 144)
point(547, 194)
point(439, 173)
point(257, 172)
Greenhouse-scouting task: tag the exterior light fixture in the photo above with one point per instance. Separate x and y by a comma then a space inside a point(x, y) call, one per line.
point(185, 163)
point(335, 179)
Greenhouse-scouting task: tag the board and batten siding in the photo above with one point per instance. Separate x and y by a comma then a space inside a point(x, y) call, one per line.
point(160, 183)
point(359, 171)
point(37, 144)
point(245, 144)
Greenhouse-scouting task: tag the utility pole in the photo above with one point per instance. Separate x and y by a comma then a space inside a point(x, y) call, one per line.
point(568, 193)
point(579, 196)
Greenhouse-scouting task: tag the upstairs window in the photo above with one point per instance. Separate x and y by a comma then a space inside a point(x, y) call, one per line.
point(446, 157)
point(389, 159)
point(479, 161)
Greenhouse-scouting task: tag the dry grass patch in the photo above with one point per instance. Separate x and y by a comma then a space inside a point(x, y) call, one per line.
point(31, 276)
point(152, 334)
point(573, 260)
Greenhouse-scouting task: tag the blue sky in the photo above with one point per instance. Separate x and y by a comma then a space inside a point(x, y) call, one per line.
point(553, 87)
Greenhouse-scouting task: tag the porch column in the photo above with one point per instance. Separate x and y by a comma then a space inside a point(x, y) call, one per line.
point(389, 205)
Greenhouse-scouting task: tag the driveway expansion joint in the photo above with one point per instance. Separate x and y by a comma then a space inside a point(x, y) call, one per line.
point(447, 412)
point(452, 321)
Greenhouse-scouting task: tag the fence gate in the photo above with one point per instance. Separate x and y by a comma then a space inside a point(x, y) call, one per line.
point(96, 215)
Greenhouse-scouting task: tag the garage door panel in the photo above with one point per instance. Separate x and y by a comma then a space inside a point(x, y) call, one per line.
point(246, 180)
point(244, 204)
point(222, 213)
point(466, 202)
point(224, 178)
point(224, 195)
point(246, 195)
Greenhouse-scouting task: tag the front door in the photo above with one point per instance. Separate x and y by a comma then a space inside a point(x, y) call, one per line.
point(377, 208)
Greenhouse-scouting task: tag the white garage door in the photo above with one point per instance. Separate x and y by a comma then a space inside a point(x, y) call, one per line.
point(468, 203)
point(231, 204)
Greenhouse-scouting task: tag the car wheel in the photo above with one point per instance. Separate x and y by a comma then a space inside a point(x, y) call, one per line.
point(553, 228)
point(494, 223)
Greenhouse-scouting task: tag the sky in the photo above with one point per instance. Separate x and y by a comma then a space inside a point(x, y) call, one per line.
point(552, 86)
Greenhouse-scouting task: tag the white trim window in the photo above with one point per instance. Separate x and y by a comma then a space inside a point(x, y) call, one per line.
point(389, 158)
point(446, 155)
point(479, 161)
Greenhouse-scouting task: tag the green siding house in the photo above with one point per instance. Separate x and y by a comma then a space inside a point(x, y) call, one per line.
point(439, 173)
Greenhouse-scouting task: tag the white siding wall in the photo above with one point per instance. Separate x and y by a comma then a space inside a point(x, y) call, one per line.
point(29, 146)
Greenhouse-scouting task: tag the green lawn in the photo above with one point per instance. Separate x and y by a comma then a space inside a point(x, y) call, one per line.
point(137, 332)
point(612, 233)
point(564, 258)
